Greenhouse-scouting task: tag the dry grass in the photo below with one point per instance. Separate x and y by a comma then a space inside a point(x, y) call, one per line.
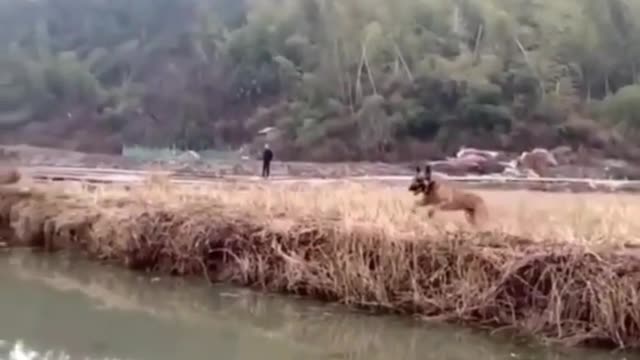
point(558, 266)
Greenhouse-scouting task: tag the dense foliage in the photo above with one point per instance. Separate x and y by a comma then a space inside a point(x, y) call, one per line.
point(350, 79)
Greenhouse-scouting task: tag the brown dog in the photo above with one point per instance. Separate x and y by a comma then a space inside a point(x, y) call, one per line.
point(440, 196)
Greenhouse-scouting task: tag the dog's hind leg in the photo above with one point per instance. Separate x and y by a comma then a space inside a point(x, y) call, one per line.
point(470, 214)
point(477, 216)
point(431, 212)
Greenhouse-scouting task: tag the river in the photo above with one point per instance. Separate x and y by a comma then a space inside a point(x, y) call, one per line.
point(63, 307)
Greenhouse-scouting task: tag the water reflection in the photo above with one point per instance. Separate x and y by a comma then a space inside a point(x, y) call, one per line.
point(88, 310)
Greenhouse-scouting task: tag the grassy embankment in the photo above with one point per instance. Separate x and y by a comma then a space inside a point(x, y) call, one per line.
point(557, 266)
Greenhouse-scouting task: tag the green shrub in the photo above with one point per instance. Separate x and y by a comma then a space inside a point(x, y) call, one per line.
point(623, 108)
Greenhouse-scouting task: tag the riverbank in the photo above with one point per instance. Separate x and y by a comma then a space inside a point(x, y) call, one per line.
point(558, 266)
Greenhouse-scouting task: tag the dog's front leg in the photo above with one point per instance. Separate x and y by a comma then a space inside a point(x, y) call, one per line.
point(416, 206)
point(431, 212)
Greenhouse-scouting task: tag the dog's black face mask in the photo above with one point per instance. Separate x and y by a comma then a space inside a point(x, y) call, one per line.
point(421, 182)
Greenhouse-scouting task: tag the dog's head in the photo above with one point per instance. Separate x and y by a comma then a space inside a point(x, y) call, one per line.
point(422, 182)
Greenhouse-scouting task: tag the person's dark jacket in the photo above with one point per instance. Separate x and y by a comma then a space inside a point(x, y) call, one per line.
point(267, 155)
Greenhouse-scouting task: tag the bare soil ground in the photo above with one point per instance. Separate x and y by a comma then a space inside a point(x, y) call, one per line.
point(25, 155)
point(185, 166)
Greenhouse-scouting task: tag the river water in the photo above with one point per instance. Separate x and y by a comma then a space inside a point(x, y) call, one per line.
point(61, 307)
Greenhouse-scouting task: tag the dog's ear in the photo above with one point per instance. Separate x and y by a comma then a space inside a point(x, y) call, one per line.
point(427, 172)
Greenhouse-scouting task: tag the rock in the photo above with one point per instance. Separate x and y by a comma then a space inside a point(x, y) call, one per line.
point(475, 158)
point(512, 172)
point(465, 152)
point(450, 167)
point(194, 154)
point(564, 154)
point(470, 164)
point(486, 154)
point(491, 167)
point(538, 160)
point(620, 169)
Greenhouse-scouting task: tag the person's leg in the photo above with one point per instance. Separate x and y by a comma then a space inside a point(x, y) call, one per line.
point(264, 169)
point(268, 168)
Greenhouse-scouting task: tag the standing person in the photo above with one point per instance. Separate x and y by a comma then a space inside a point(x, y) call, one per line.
point(267, 156)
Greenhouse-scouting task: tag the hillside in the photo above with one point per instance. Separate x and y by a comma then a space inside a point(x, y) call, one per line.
point(356, 80)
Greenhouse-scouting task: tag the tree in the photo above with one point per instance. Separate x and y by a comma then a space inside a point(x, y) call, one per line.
point(360, 75)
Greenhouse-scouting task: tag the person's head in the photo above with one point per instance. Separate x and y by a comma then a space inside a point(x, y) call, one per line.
point(266, 146)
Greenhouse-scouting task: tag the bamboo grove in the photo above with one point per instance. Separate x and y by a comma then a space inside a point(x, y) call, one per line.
point(340, 80)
